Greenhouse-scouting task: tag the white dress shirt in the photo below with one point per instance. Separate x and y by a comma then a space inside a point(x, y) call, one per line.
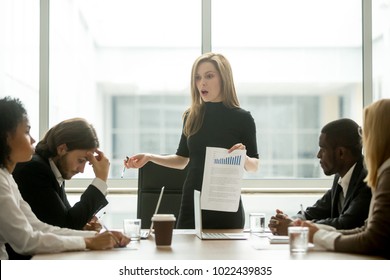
point(344, 181)
point(24, 231)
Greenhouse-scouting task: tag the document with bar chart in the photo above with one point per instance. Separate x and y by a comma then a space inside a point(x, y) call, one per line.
point(222, 179)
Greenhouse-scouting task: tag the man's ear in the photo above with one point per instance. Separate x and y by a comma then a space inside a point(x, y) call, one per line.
point(342, 152)
point(62, 149)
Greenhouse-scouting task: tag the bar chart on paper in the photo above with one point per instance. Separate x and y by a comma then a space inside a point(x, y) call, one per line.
point(222, 177)
point(231, 160)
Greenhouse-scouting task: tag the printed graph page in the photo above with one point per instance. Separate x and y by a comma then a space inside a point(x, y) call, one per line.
point(222, 178)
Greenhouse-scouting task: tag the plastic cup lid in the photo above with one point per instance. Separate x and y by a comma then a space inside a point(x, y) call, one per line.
point(163, 217)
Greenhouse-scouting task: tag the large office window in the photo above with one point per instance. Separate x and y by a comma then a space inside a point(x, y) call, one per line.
point(297, 65)
point(125, 65)
point(19, 55)
point(381, 48)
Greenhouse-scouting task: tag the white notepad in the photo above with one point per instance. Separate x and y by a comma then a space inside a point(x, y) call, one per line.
point(278, 239)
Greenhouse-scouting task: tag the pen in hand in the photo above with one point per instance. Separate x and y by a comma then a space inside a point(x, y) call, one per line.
point(124, 168)
point(106, 228)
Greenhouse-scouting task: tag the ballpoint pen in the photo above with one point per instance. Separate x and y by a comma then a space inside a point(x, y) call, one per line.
point(124, 168)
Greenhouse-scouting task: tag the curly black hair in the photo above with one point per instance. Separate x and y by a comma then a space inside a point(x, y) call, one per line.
point(12, 113)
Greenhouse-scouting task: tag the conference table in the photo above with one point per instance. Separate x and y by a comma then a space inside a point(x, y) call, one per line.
point(187, 246)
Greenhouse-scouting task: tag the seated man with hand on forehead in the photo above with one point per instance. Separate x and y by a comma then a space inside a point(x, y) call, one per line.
point(346, 204)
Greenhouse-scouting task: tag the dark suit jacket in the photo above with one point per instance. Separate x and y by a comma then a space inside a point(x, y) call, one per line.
point(356, 203)
point(39, 187)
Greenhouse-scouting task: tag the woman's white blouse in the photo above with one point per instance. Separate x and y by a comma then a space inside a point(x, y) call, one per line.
point(24, 231)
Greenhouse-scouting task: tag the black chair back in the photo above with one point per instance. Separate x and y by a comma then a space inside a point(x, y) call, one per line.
point(151, 178)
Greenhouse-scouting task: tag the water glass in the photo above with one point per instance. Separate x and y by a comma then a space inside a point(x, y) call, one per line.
point(298, 239)
point(132, 229)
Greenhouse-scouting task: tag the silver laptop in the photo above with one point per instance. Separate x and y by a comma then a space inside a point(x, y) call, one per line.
point(210, 235)
point(145, 233)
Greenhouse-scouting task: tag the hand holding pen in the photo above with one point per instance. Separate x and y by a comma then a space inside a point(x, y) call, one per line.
point(124, 167)
point(120, 239)
point(93, 224)
point(106, 240)
point(138, 160)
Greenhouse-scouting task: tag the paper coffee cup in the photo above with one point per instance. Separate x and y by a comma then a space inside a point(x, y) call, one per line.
point(163, 228)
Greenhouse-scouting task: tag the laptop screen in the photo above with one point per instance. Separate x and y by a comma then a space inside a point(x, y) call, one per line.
point(198, 214)
point(158, 205)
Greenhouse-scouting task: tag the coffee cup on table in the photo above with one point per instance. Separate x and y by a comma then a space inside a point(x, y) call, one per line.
point(163, 225)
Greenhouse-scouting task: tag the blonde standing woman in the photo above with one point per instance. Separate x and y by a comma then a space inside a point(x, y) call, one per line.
point(214, 119)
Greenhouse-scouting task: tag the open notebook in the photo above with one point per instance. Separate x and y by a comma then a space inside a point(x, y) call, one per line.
point(210, 235)
point(145, 233)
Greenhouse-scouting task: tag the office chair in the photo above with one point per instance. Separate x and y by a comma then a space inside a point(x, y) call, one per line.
point(151, 178)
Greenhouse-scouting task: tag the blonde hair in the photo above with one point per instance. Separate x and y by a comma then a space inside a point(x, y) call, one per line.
point(194, 115)
point(376, 138)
